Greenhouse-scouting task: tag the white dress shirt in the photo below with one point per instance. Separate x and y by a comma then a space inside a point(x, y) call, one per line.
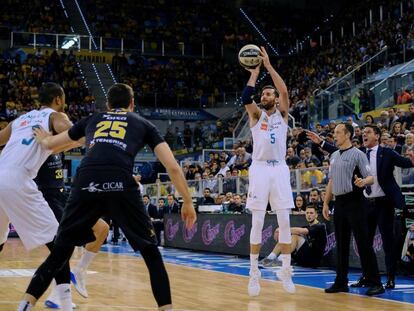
point(376, 190)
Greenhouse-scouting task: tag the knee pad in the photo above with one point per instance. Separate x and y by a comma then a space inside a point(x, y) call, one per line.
point(283, 220)
point(257, 227)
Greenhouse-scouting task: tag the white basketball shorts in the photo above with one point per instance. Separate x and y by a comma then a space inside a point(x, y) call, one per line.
point(25, 208)
point(269, 182)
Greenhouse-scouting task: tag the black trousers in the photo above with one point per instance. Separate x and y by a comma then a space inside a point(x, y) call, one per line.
point(351, 217)
point(158, 226)
point(381, 215)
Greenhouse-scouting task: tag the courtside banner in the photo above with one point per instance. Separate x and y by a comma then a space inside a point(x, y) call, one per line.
point(175, 114)
point(230, 234)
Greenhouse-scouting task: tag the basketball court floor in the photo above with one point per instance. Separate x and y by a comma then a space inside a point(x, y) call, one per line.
point(118, 280)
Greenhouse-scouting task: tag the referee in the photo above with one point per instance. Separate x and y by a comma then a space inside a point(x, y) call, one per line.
point(348, 164)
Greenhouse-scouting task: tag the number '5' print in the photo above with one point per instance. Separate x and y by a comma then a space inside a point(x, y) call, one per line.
point(272, 138)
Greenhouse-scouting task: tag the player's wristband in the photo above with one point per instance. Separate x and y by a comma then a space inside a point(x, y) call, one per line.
point(247, 95)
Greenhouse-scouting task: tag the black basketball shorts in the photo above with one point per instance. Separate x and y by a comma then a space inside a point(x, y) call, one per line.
point(102, 191)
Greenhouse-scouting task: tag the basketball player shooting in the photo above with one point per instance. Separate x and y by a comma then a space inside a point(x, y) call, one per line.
point(269, 177)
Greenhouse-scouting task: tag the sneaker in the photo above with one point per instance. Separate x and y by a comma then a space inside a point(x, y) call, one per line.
point(78, 280)
point(270, 263)
point(337, 288)
point(54, 303)
point(253, 288)
point(285, 275)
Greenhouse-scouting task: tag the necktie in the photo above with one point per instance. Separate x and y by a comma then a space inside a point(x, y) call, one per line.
point(368, 189)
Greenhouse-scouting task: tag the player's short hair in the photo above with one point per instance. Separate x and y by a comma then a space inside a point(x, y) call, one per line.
point(270, 87)
point(120, 95)
point(48, 92)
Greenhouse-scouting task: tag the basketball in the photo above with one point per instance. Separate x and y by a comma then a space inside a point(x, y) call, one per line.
point(248, 56)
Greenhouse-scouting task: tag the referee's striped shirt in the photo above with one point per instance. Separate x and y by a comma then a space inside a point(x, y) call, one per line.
point(344, 165)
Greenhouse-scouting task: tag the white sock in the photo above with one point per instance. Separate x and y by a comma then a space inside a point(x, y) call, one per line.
point(53, 294)
point(285, 258)
point(25, 306)
point(272, 256)
point(65, 297)
point(85, 260)
point(254, 262)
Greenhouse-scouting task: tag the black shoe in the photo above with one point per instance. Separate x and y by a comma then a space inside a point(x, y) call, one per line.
point(375, 290)
point(337, 288)
point(362, 282)
point(390, 283)
point(1, 247)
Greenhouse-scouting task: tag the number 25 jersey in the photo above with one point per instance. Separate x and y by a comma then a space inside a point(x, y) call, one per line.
point(113, 138)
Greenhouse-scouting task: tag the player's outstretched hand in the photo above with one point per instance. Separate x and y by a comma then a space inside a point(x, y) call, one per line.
point(188, 214)
point(254, 71)
point(40, 135)
point(264, 57)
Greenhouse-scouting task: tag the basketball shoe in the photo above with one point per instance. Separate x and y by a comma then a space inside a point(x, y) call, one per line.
point(78, 280)
point(285, 275)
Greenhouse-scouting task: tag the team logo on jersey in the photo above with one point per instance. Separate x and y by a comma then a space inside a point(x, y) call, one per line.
point(263, 126)
point(92, 188)
point(24, 123)
point(106, 187)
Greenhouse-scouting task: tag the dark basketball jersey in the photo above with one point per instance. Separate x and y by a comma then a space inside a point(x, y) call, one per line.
point(50, 175)
point(113, 138)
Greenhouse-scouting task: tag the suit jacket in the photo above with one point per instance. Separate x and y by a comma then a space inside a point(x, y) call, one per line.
point(153, 213)
point(387, 160)
point(398, 149)
point(174, 209)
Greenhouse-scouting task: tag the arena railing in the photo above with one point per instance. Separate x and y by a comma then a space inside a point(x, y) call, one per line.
point(401, 78)
point(302, 181)
point(336, 100)
point(148, 46)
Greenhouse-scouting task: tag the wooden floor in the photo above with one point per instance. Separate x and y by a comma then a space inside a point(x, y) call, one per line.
point(122, 283)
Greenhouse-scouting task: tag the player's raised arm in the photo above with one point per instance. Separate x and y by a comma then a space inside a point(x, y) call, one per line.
point(279, 84)
point(247, 97)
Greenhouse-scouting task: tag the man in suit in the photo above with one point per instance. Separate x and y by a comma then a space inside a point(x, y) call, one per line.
point(147, 203)
point(156, 214)
point(382, 197)
point(172, 207)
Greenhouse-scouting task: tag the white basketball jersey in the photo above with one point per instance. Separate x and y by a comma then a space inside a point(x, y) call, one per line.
point(269, 138)
point(22, 150)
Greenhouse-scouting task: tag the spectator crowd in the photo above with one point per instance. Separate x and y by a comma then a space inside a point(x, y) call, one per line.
point(22, 75)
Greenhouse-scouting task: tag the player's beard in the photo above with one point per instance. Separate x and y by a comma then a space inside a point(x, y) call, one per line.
point(268, 105)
